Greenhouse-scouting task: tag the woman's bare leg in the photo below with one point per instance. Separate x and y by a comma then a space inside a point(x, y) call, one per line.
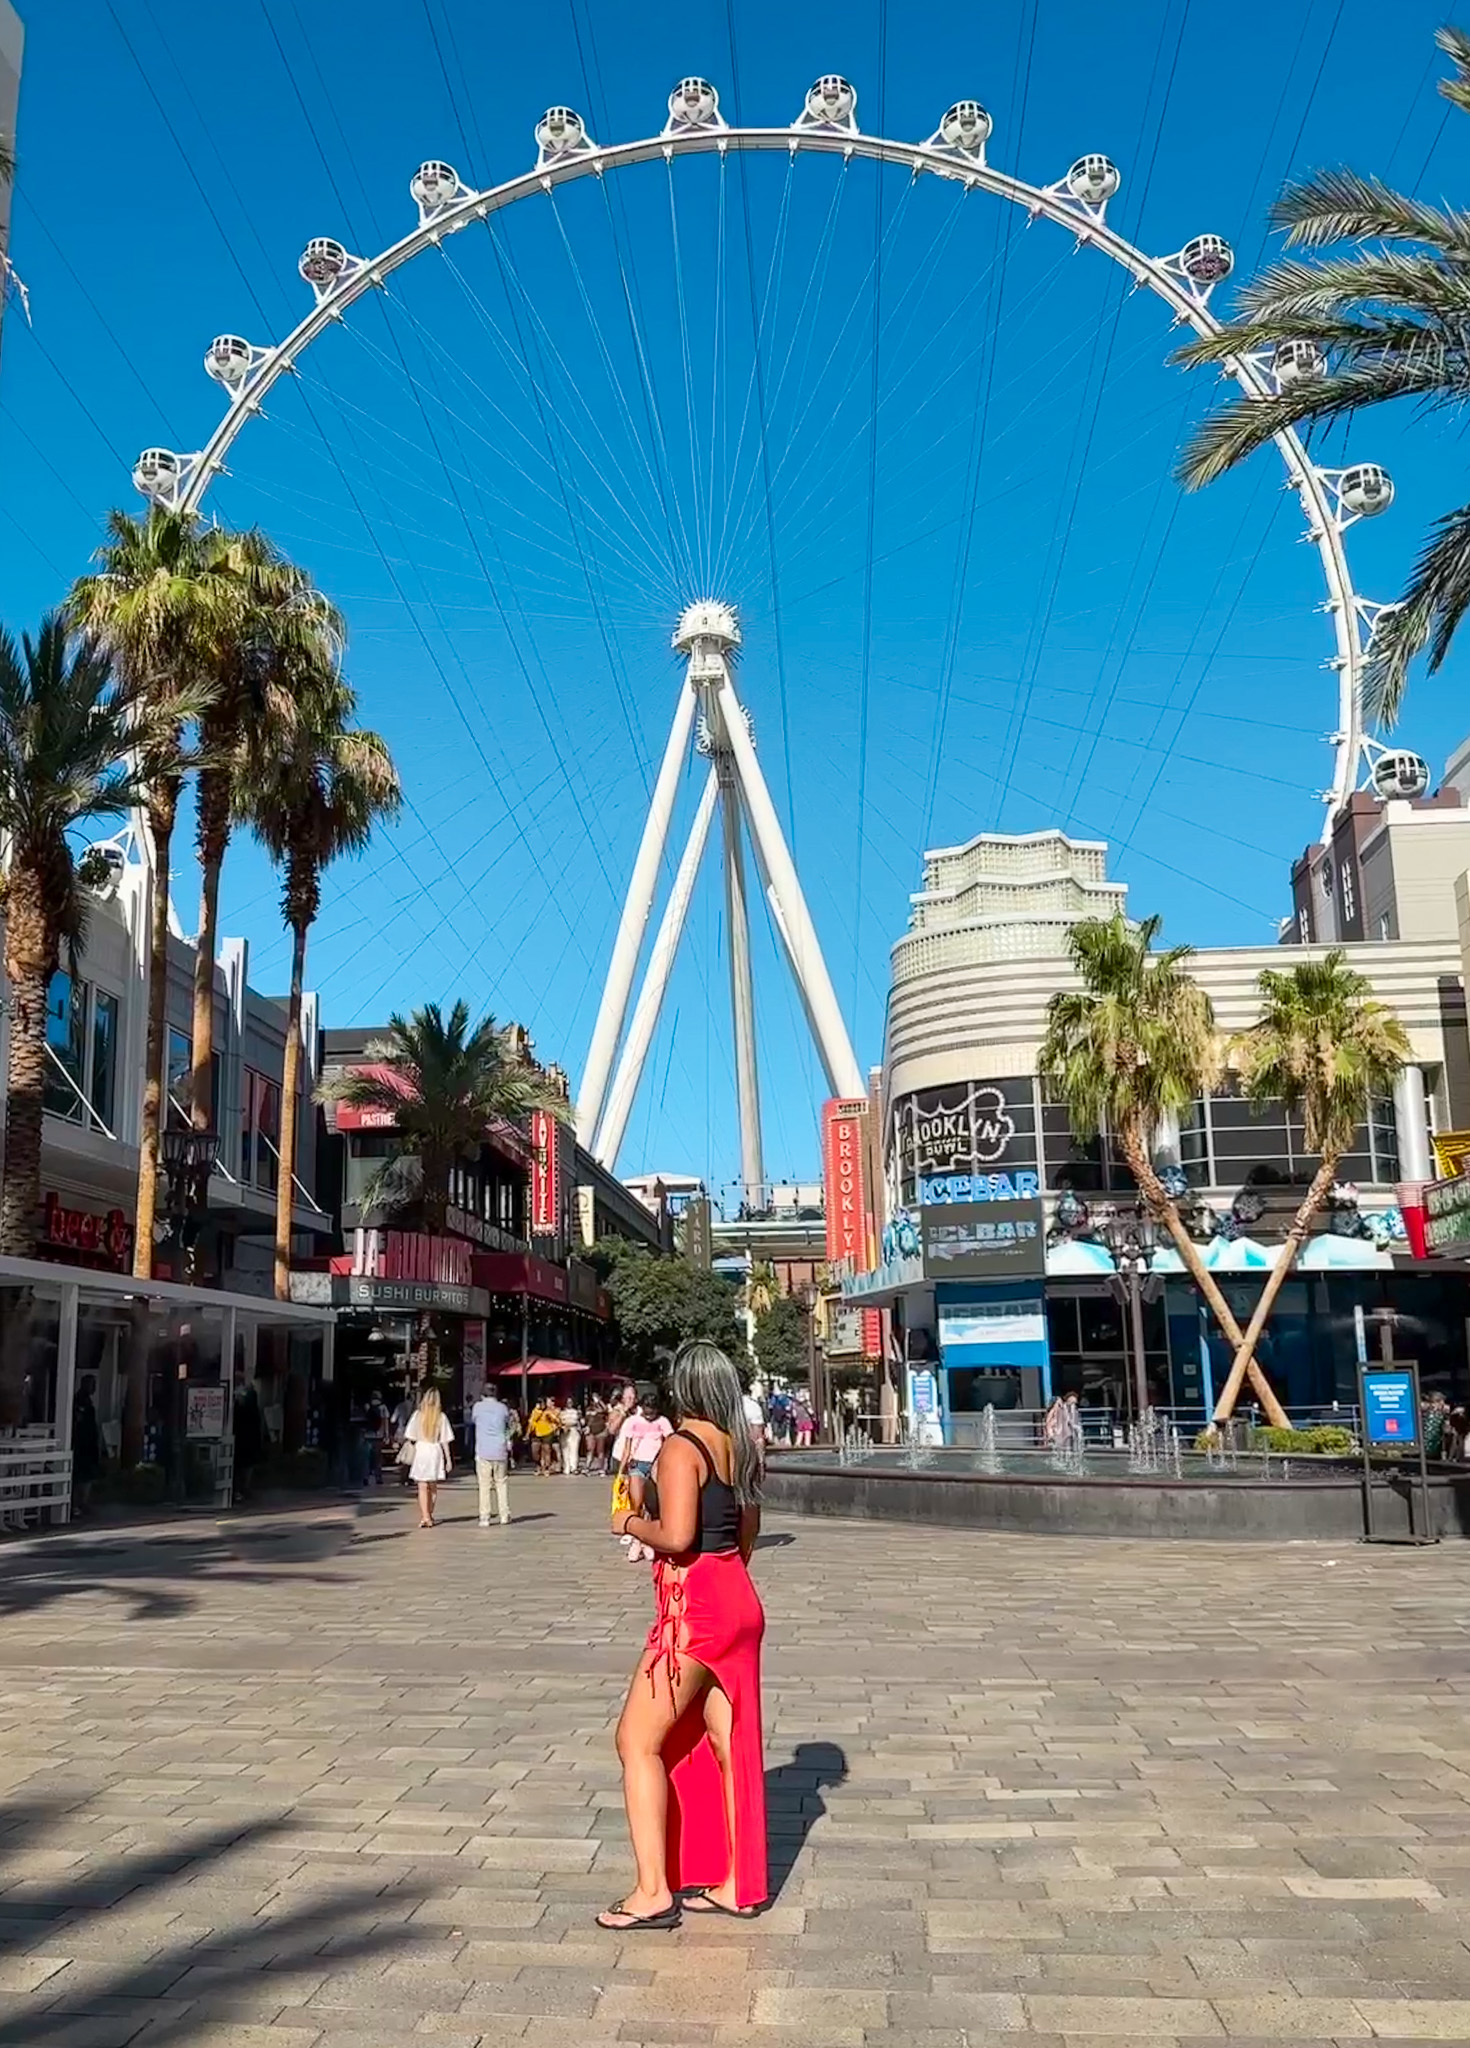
point(653, 1706)
point(426, 1503)
point(433, 1498)
point(719, 1723)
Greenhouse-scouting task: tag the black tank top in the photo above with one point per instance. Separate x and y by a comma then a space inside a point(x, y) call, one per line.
point(718, 1524)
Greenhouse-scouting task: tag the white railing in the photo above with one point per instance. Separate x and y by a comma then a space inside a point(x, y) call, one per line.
point(35, 1480)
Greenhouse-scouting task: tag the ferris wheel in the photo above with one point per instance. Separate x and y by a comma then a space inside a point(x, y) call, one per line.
point(709, 714)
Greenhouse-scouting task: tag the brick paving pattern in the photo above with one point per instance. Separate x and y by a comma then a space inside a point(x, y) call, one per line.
point(318, 1781)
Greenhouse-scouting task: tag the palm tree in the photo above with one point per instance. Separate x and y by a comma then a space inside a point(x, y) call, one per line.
point(314, 799)
point(1136, 1044)
point(269, 619)
point(1325, 1048)
point(155, 607)
point(443, 1085)
point(1390, 317)
point(66, 732)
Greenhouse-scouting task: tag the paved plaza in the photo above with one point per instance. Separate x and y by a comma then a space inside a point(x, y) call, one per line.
point(319, 1781)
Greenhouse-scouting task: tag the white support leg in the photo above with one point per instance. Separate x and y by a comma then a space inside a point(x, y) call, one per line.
point(742, 993)
point(844, 1076)
point(629, 941)
point(655, 983)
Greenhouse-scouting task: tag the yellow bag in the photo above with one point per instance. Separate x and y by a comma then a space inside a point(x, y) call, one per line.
point(622, 1499)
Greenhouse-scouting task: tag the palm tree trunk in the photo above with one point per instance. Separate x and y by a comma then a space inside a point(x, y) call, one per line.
point(290, 1075)
point(160, 830)
point(1166, 1212)
point(435, 1171)
point(1245, 1353)
point(25, 1084)
point(214, 837)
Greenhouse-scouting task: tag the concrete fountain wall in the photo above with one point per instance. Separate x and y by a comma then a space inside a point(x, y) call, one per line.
point(1325, 1507)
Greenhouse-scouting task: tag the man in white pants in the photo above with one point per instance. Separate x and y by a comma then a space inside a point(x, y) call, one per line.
point(493, 1425)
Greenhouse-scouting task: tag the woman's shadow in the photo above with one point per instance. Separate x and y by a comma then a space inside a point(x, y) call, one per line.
point(794, 1804)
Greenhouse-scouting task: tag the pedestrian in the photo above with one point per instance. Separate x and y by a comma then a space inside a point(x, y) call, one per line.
point(802, 1422)
point(595, 1422)
point(430, 1434)
point(86, 1444)
point(493, 1426)
point(640, 1440)
point(571, 1438)
point(755, 1422)
point(689, 1739)
point(1456, 1429)
point(402, 1416)
point(619, 1409)
point(545, 1432)
point(1436, 1414)
point(248, 1427)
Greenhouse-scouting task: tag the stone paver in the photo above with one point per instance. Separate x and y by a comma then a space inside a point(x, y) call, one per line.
point(319, 1781)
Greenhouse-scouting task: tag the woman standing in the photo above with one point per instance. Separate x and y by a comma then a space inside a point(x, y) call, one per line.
point(690, 1734)
point(430, 1433)
point(571, 1438)
point(545, 1429)
point(640, 1440)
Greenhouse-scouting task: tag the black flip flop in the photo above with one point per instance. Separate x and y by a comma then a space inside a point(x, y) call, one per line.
point(714, 1906)
point(641, 1923)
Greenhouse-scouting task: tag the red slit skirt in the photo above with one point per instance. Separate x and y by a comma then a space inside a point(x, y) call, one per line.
point(709, 1612)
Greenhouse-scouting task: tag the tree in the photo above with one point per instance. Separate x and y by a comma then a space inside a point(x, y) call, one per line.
point(154, 606)
point(781, 1339)
point(66, 729)
point(443, 1085)
point(1134, 1045)
point(313, 797)
point(1325, 1048)
point(1390, 317)
point(269, 625)
point(661, 1303)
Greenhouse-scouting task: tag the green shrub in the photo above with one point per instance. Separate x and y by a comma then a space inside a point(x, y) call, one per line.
point(1325, 1440)
point(141, 1486)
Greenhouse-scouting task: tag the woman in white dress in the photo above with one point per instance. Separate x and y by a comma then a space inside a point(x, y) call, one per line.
point(430, 1433)
point(571, 1439)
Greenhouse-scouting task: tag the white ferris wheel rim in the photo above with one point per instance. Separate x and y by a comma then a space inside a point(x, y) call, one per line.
point(1353, 617)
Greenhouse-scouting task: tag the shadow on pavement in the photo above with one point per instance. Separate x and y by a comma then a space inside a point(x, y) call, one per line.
point(794, 1804)
point(325, 1935)
point(155, 1573)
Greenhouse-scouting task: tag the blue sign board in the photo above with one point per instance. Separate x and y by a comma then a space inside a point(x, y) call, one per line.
point(1390, 1407)
point(979, 1187)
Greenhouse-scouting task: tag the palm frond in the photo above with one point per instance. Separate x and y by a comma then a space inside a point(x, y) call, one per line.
point(1226, 437)
point(1323, 1046)
point(1456, 46)
point(1342, 206)
point(1427, 615)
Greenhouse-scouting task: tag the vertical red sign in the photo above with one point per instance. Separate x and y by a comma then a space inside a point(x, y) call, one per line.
point(845, 1180)
point(545, 1179)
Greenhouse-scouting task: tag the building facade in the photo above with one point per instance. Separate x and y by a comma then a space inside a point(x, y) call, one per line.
point(1001, 1289)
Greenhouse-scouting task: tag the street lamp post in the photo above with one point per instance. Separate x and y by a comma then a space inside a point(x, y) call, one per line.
point(1131, 1240)
point(188, 1160)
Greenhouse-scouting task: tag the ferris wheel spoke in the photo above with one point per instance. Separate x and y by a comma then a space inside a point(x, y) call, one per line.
point(678, 547)
point(573, 389)
point(757, 327)
point(688, 368)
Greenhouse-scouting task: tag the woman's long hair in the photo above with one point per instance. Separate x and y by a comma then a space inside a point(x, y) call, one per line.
point(705, 1387)
point(431, 1415)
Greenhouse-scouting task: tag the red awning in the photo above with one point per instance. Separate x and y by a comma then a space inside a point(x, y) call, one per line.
point(568, 1367)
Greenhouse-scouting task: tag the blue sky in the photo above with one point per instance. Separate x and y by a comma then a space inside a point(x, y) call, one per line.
point(510, 485)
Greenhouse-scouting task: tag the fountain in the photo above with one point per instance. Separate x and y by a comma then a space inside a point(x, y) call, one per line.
point(987, 1456)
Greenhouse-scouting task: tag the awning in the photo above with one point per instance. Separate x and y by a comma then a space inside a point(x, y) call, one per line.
point(569, 1368)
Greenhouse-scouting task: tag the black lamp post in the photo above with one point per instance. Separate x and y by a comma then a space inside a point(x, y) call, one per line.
point(1131, 1239)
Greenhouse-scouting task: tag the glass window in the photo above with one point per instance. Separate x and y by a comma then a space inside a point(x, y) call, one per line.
point(1071, 1162)
point(180, 1069)
point(265, 1129)
point(102, 1087)
point(66, 1043)
point(1383, 1132)
point(1194, 1145)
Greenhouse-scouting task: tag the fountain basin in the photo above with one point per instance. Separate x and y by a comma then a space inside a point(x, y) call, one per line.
point(1306, 1504)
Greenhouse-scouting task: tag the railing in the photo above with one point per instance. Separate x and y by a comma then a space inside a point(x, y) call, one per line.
point(35, 1480)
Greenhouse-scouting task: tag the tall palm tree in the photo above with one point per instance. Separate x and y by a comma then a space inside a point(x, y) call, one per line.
point(1135, 1044)
point(1389, 314)
point(67, 730)
point(313, 798)
point(268, 620)
point(443, 1084)
point(1324, 1047)
point(157, 609)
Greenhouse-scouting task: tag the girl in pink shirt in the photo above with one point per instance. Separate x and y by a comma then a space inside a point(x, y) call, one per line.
point(639, 1442)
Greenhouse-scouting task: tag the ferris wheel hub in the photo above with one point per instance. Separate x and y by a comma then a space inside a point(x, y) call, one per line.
point(708, 619)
